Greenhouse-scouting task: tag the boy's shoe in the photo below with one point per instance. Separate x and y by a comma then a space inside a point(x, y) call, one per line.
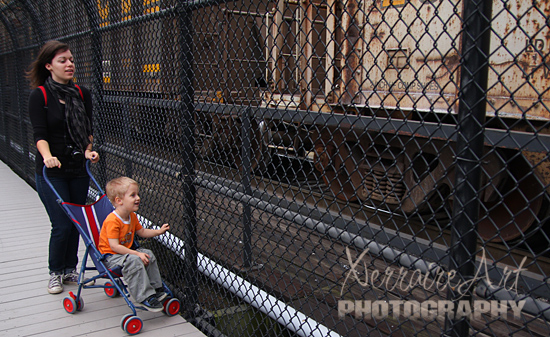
point(55, 285)
point(70, 278)
point(152, 304)
point(161, 294)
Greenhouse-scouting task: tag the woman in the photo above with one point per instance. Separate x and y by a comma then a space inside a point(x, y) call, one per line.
point(61, 116)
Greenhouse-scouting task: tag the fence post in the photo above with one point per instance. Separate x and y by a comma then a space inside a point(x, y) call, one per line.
point(245, 181)
point(186, 122)
point(4, 141)
point(128, 135)
point(26, 164)
point(469, 150)
point(97, 85)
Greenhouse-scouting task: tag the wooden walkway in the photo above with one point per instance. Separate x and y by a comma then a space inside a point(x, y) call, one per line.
point(26, 307)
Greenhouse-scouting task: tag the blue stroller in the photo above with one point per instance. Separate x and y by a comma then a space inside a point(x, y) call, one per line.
point(89, 219)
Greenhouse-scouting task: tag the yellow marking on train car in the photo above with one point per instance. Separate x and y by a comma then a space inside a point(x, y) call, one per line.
point(152, 71)
point(151, 10)
point(150, 6)
point(151, 68)
point(218, 98)
point(126, 10)
point(103, 12)
point(393, 3)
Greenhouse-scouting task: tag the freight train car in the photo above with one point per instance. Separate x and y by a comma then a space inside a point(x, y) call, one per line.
point(395, 63)
point(399, 61)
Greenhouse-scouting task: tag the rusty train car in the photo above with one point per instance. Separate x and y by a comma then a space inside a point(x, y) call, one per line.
point(394, 61)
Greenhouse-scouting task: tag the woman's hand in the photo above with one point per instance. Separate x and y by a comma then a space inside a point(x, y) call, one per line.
point(51, 162)
point(44, 148)
point(91, 156)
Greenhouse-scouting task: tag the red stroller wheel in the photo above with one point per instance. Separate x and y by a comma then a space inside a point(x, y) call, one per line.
point(70, 305)
point(80, 304)
point(172, 307)
point(124, 319)
point(110, 292)
point(133, 325)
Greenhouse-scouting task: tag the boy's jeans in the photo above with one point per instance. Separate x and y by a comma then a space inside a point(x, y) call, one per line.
point(141, 280)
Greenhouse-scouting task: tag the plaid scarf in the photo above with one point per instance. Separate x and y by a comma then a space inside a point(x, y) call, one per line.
point(78, 123)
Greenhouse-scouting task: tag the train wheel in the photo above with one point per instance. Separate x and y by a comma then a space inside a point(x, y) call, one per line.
point(256, 145)
point(338, 169)
point(219, 139)
point(205, 144)
point(519, 209)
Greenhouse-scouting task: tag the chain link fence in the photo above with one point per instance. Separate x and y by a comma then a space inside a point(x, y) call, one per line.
point(329, 168)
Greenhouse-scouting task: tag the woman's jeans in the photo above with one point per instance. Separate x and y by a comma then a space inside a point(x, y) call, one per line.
point(64, 237)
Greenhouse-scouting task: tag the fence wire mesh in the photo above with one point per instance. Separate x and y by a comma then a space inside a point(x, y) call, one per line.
point(333, 167)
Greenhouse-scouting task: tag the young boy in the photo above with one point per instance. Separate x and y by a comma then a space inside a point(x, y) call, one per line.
point(139, 266)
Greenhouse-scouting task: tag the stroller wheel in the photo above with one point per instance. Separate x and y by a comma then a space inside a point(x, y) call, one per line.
point(172, 307)
point(80, 304)
point(110, 290)
point(124, 319)
point(69, 304)
point(133, 325)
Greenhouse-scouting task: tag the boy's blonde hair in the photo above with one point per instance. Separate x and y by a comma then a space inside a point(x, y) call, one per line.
point(118, 187)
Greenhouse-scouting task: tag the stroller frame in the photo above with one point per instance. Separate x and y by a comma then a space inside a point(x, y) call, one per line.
point(88, 219)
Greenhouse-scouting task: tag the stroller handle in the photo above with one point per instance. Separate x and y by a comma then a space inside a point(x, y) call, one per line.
point(101, 192)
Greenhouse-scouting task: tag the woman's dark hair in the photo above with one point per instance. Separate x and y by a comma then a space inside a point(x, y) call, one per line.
point(38, 73)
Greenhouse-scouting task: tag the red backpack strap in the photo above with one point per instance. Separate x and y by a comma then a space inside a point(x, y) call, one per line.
point(80, 90)
point(45, 96)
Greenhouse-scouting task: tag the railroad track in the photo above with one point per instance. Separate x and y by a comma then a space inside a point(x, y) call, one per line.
point(433, 228)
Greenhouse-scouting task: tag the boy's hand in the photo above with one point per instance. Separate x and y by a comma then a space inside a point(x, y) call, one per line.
point(144, 258)
point(164, 228)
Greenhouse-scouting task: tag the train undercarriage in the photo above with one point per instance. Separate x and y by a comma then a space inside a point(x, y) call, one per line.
point(398, 173)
